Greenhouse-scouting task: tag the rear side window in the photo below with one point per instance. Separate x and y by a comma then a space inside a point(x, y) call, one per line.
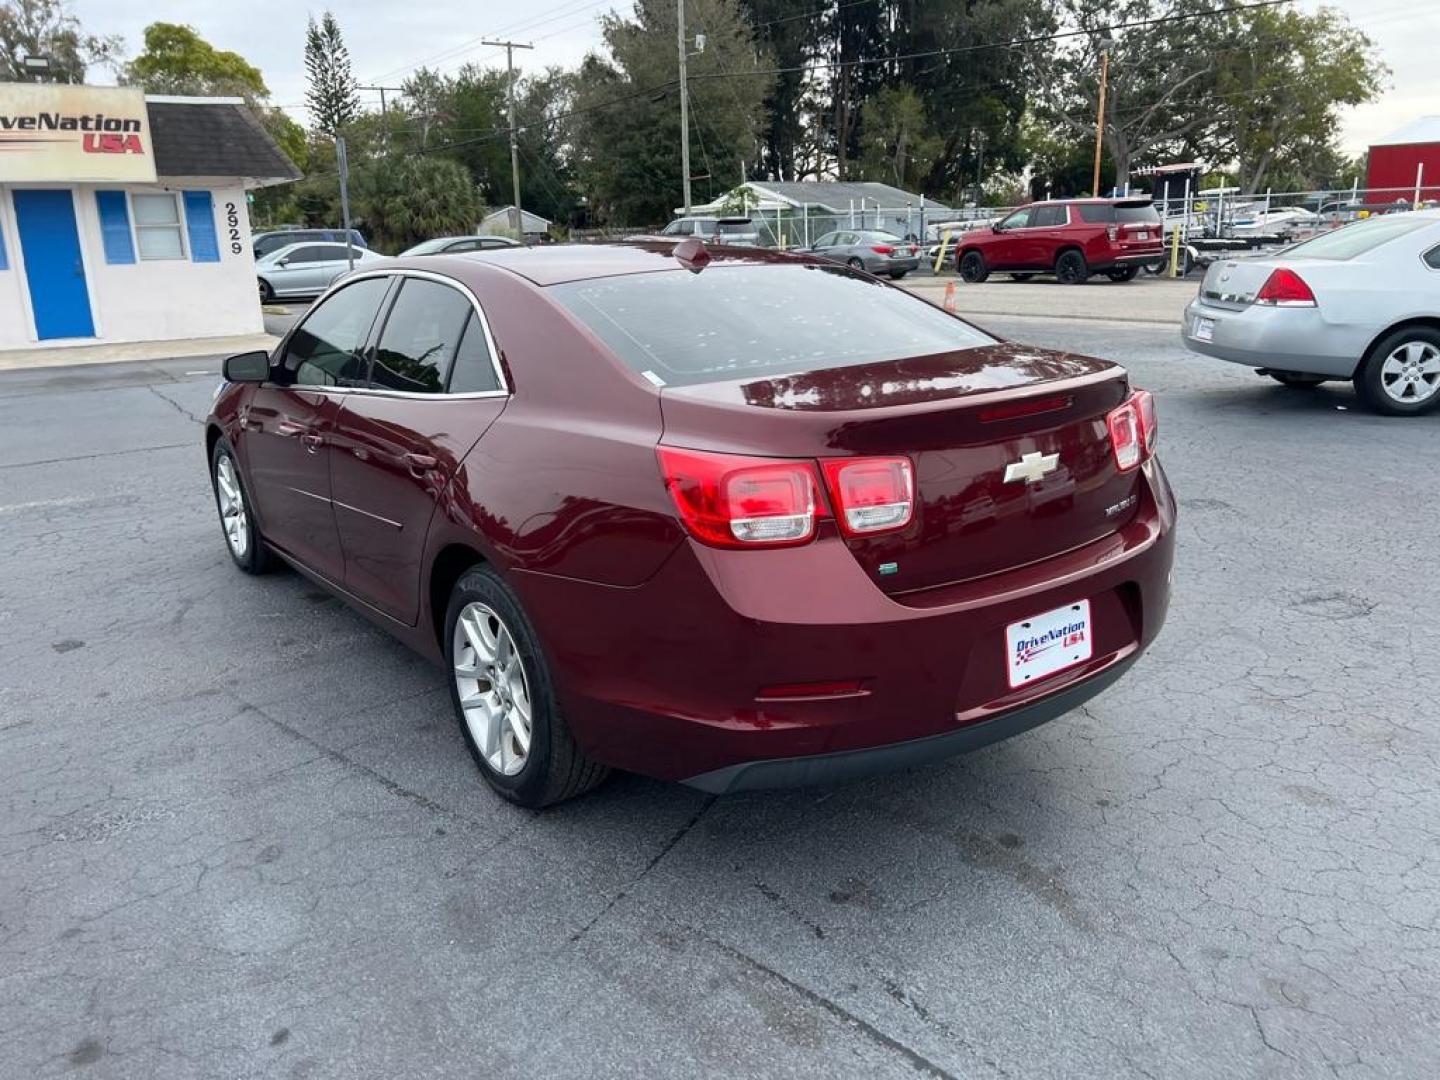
point(324, 350)
point(1048, 217)
point(473, 370)
point(420, 336)
point(757, 322)
point(1096, 213)
point(1359, 237)
point(1432, 259)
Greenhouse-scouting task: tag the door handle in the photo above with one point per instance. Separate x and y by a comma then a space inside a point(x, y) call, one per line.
point(311, 442)
point(287, 428)
point(419, 463)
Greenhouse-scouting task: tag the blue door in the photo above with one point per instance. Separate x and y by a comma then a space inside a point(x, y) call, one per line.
point(53, 267)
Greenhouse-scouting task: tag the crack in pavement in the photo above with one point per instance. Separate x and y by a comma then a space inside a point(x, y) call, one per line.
point(181, 409)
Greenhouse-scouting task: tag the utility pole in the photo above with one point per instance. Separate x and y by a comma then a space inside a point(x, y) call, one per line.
point(342, 166)
point(382, 89)
point(509, 47)
point(1100, 120)
point(684, 105)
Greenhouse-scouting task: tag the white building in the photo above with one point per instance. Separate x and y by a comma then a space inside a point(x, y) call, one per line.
point(502, 222)
point(816, 206)
point(123, 217)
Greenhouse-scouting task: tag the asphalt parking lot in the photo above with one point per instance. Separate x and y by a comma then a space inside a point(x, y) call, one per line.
point(240, 835)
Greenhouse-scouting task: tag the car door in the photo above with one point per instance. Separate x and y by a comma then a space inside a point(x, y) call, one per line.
point(434, 388)
point(296, 272)
point(1005, 250)
point(287, 424)
point(1040, 241)
point(331, 260)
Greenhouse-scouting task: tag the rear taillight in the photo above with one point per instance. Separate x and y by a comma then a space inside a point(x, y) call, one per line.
point(1113, 232)
point(1285, 288)
point(731, 501)
point(870, 494)
point(882, 249)
point(1133, 430)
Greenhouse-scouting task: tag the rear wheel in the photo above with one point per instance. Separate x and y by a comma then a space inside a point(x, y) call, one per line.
point(1295, 380)
point(1070, 268)
point(1021, 277)
point(973, 268)
point(1401, 376)
point(1123, 273)
point(504, 697)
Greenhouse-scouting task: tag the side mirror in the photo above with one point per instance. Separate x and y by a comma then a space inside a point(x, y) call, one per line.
point(996, 228)
point(250, 367)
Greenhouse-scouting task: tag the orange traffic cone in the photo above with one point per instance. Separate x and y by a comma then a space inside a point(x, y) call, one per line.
point(949, 304)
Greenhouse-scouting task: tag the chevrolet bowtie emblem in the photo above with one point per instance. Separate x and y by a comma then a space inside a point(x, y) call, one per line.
point(1031, 467)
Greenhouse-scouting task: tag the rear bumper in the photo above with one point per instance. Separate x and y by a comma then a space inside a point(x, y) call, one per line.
point(1132, 258)
point(1285, 339)
point(672, 686)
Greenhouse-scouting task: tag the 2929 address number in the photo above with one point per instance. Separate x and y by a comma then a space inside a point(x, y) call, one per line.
point(232, 226)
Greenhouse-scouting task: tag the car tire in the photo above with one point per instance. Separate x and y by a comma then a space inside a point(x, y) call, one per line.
point(508, 711)
point(267, 293)
point(1071, 268)
point(237, 521)
point(1295, 380)
point(973, 268)
point(1021, 277)
point(855, 264)
point(1123, 273)
point(1401, 374)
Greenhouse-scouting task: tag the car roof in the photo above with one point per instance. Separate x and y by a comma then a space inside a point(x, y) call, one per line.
point(553, 264)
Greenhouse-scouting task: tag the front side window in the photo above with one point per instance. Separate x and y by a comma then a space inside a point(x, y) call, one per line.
point(420, 336)
point(325, 349)
point(677, 228)
point(759, 322)
point(828, 240)
point(1018, 220)
point(157, 226)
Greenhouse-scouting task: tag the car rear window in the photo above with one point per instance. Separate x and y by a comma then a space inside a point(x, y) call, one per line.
point(745, 322)
point(1359, 237)
point(1108, 213)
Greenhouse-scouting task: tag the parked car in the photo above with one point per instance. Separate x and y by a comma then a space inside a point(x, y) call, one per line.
point(1359, 303)
point(307, 269)
point(871, 250)
point(267, 243)
point(454, 245)
point(716, 230)
point(1072, 239)
point(724, 516)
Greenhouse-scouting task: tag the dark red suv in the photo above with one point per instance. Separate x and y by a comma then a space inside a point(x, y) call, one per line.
point(1070, 239)
point(723, 516)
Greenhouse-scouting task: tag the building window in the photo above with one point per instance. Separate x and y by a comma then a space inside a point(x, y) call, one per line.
point(157, 226)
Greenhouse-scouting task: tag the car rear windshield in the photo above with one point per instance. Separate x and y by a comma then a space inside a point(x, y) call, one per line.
point(748, 322)
point(1359, 237)
point(1122, 214)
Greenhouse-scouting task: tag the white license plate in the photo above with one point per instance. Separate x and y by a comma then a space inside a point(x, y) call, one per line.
point(1048, 643)
point(1202, 329)
point(1143, 236)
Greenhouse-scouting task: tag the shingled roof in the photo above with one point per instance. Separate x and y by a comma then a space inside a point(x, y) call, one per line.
point(215, 137)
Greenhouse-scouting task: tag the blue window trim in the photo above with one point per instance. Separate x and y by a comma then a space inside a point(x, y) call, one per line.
point(4, 261)
point(114, 210)
point(200, 225)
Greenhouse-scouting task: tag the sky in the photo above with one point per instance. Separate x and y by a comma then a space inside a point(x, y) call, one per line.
point(387, 41)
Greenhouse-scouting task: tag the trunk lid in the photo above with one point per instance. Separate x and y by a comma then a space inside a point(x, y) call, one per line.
point(1233, 283)
point(963, 419)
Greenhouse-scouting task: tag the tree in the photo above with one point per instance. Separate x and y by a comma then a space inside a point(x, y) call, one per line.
point(896, 146)
point(1162, 81)
point(47, 28)
point(400, 201)
point(1279, 84)
point(626, 130)
point(332, 97)
point(177, 60)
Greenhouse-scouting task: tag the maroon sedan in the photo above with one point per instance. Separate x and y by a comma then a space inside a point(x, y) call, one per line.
point(727, 517)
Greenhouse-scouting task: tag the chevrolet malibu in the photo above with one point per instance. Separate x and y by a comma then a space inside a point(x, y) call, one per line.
point(648, 519)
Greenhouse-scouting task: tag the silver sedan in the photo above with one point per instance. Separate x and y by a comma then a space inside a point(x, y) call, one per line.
point(1359, 303)
point(870, 250)
point(306, 269)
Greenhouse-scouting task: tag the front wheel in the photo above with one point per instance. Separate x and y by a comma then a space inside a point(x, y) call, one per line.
point(855, 264)
point(504, 697)
point(237, 522)
point(1123, 273)
point(973, 268)
point(1401, 376)
point(267, 293)
point(1070, 268)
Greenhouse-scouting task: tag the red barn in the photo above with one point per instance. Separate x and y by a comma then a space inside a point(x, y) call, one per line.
point(1394, 161)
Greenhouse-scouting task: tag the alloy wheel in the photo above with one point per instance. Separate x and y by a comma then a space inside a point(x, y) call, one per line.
point(493, 688)
point(1411, 374)
point(232, 506)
